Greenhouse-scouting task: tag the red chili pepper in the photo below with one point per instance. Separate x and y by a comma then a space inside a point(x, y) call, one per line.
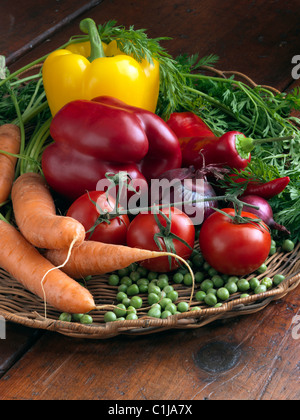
point(232, 150)
point(187, 125)
point(104, 135)
point(265, 190)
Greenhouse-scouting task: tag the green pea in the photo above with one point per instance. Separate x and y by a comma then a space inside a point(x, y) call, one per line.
point(77, 317)
point(153, 288)
point(244, 295)
point(121, 318)
point(178, 278)
point(200, 295)
point(262, 268)
point(123, 272)
point(243, 285)
point(206, 284)
point(199, 276)
point(110, 316)
point(162, 281)
point(126, 280)
point(217, 281)
point(223, 293)
point(142, 280)
point(122, 288)
point(198, 260)
point(133, 290)
point(173, 295)
point(154, 312)
point(120, 296)
point(267, 281)
point(183, 307)
point(65, 317)
point(196, 308)
point(212, 290)
point(211, 299)
point(152, 275)
point(187, 279)
point(168, 289)
point(135, 275)
point(113, 280)
point(126, 301)
point(254, 282)
point(131, 309)
point(171, 307)
point(86, 319)
point(212, 272)
point(120, 310)
point(153, 298)
point(165, 314)
point(206, 266)
point(260, 289)
point(131, 316)
point(288, 245)
point(143, 271)
point(272, 250)
point(143, 288)
point(233, 279)
point(278, 278)
point(231, 287)
point(218, 305)
point(164, 302)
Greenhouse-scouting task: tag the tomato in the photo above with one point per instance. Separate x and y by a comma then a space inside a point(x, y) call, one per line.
point(234, 248)
point(110, 230)
point(141, 233)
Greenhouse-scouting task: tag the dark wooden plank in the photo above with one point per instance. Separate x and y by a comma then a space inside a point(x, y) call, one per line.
point(27, 23)
point(16, 340)
point(258, 38)
point(252, 357)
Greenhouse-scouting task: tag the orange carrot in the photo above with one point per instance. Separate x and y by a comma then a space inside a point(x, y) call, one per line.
point(36, 217)
point(10, 139)
point(96, 258)
point(19, 258)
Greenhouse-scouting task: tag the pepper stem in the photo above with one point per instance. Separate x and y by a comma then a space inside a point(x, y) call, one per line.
point(88, 26)
point(244, 145)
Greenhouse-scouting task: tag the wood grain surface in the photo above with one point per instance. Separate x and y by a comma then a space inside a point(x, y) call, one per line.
point(253, 357)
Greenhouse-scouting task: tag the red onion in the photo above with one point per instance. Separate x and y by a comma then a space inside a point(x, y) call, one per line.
point(186, 188)
point(265, 212)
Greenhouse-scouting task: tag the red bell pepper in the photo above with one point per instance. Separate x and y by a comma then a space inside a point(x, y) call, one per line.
point(187, 125)
point(104, 135)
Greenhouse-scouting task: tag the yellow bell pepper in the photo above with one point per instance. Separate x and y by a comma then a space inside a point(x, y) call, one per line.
point(90, 69)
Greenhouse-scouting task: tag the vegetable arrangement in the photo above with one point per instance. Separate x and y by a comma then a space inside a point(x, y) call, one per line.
point(81, 120)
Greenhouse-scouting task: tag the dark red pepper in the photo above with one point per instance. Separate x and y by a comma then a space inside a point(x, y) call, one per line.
point(265, 190)
point(187, 125)
point(92, 138)
point(232, 150)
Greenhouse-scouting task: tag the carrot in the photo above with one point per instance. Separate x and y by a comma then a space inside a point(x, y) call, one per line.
point(10, 140)
point(24, 262)
point(96, 258)
point(36, 217)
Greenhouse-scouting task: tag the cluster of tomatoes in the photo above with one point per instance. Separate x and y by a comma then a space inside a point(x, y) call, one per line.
point(231, 247)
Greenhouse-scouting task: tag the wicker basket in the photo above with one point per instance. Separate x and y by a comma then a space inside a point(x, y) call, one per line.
point(21, 306)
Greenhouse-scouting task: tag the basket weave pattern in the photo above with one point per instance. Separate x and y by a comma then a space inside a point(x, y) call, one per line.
point(21, 306)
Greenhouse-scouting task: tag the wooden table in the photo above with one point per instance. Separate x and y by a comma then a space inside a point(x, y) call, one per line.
point(253, 357)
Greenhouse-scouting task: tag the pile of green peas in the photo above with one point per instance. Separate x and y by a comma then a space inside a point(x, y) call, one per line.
point(211, 288)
